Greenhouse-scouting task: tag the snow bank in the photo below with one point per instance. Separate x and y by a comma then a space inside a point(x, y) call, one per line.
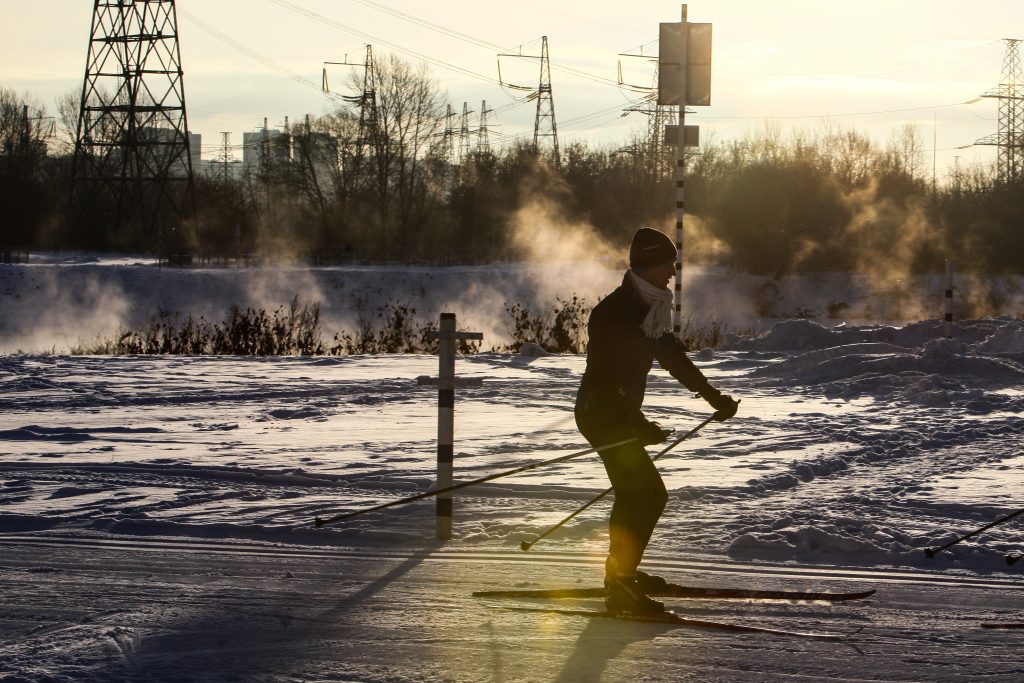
point(915, 363)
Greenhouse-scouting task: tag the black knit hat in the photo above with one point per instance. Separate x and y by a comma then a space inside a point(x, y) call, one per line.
point(650, 247)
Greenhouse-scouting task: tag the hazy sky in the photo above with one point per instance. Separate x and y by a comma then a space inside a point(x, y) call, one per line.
point(870, 65)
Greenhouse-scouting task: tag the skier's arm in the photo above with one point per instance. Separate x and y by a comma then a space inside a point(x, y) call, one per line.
point(671, 355)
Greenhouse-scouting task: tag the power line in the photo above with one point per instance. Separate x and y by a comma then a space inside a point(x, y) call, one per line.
point(578, 18)
point(465, 37)
point(861, 113)
point(249, 52)
point(458, 35)
point(287, 4)
point(308, 83)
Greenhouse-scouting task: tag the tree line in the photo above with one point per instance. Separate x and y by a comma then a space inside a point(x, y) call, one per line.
point(379, 178)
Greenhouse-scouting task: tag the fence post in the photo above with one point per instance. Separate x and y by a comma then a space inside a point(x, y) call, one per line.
point(446, 382)
point(949, 299)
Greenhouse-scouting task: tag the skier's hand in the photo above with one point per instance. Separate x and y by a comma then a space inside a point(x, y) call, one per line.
point(650, 433)
point(725, 407)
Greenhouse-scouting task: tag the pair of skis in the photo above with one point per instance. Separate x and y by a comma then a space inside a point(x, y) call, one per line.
point(690, 592)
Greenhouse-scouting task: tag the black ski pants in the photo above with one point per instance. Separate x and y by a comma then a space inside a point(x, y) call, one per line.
point(639, 491)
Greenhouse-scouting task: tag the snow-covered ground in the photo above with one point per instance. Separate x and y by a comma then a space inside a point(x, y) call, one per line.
point(156, 512)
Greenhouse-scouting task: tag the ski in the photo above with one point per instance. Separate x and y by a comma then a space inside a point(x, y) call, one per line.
point(673, 619)
point(674, 590)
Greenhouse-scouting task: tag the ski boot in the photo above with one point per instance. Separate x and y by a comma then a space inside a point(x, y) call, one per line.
point(649, 583)
point(624, 594)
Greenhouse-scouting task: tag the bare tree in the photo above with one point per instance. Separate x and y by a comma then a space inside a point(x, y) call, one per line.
point(68, 106)
point(408, 119)
point(849, 155)
point(906, 152)
point(24, 130)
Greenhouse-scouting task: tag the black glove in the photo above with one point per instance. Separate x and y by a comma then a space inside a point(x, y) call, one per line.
point(649, 433)
point(725, 406)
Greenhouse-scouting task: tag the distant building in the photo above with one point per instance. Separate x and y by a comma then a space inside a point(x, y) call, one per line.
point(271, 149)
point(316, 153)
point(265, 149)
point(195, 150)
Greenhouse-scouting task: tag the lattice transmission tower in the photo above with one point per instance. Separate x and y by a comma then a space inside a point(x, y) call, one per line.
point(132, 170)
point(1009, 138)
point(483, 140)
point(545, 130)
point(465, 134)
point(354, 156)
point(369, 123)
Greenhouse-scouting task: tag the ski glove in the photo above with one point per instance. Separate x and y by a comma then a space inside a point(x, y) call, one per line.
point(649, 433)
point(725, 406)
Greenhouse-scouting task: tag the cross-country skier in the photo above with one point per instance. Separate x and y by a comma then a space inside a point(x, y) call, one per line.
point(629, 329)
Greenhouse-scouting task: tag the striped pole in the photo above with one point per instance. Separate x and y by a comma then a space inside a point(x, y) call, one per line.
point(949, 299)
point(445, 422)
point(447, 338)
point(677, 310)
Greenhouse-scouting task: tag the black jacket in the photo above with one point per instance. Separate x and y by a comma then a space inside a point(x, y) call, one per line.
point(619, 358)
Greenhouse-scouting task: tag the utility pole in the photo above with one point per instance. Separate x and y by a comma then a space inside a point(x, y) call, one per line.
point(225, 152)
point(483, 142)
point(661, 125)
point(544, 125)
point(367, 103)
point(368, 122)
point(465, 144)
point(366, 100)
point(1009, 138)
point(132, 167)
point(448, 148)
point(449, 136)
point(684, 78)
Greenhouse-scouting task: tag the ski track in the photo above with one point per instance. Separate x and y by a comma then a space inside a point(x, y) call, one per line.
point(273, 613)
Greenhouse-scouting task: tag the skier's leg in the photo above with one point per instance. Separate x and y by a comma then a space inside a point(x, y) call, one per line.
point(640, 498)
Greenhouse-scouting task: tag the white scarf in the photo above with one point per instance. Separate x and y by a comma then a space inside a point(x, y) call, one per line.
point(659, 318)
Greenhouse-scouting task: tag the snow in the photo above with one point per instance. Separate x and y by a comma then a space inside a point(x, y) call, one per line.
point(156, 513)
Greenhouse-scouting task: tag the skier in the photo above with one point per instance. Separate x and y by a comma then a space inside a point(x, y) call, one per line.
point(629, 329)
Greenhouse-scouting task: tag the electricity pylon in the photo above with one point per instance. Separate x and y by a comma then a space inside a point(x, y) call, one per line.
point(544, 126)
point(545, 130)
point(465, 134)
point(448, 138)
point(132, 170)
point(353, 162)
point(483, 140)
point(368, 119)
point(1009, 138)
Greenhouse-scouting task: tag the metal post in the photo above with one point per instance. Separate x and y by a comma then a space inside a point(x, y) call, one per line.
point(949, 299)
point(445, 422)
point(447, 338)
point(677, 311)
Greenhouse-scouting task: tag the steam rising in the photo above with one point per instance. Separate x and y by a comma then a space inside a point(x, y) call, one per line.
point(53, 306)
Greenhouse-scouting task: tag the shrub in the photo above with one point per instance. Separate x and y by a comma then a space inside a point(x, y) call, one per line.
point(291, 331)
point(295, 331)
point(561, 330)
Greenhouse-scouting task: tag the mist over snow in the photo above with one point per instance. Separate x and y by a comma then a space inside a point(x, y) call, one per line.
point(858, 444)
point(61, 300)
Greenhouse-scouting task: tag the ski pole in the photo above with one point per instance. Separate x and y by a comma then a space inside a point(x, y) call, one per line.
point(526, 545)
point(427, 494)
point(932, 552)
